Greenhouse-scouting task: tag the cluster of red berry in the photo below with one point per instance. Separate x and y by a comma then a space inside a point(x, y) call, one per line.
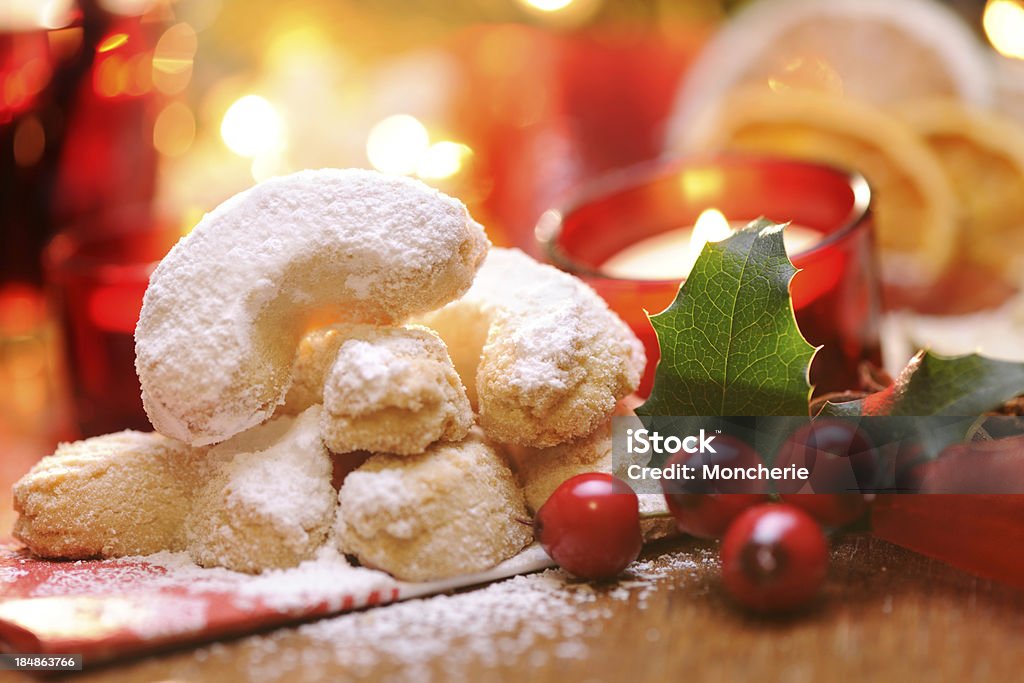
point(774, 554)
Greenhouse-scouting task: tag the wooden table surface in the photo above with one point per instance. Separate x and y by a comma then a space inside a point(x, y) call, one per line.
point(886, 614)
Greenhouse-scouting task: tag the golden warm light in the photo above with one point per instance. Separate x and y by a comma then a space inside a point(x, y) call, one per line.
point(711, 226)
point(807, 73)
point(442, 160)
point(547, 5)
point(33, 14)
point(266, 166)
point(127, 7)
point(251, 127)
point(700, 185)
point(1004, 25)
point(111, 77)
point(173, 57)
point(174, 130)
point(112, 42)
point(397, 144)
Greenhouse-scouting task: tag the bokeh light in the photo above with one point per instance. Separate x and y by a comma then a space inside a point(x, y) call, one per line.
point(1004, 25)
point(127, 7)
point(442, 160)
point(563, 13)
point(397, 143)
point(29, 142)
point(112, 42)
point(173, 57)
point(547, 5)
point(111, 77)
point(174, 129)
point(32, 14)
point(252, 127)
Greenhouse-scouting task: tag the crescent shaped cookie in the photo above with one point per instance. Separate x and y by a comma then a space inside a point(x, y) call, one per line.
point(226, 308)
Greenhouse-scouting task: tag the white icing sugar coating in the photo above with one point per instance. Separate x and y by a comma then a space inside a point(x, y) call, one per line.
point(266, 501)
point(225, 310)
point(455, 509)
point(107, 496)
point(393, 390)
point(554, 359)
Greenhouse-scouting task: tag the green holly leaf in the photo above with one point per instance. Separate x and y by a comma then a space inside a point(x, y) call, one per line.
point(729, 342)
point(937, 385)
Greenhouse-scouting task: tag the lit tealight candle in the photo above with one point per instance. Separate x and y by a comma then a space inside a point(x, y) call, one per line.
point(671, 255)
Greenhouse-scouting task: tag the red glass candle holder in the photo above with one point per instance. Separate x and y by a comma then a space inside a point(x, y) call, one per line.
point(835, 294)
point(96, 275)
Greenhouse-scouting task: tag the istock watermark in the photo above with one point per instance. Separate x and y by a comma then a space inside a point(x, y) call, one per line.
point(711, 454)
point(642, 441)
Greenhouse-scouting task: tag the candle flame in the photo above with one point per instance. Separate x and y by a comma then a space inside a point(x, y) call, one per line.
point(711, 226)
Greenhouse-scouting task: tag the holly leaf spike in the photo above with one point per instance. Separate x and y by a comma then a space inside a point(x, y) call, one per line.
point(729, 342)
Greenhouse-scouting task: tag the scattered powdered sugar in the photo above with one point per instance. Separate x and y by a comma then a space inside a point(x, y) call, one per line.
point(11, 574)
point(112, 577)
point(326, 579)
point(498, 625)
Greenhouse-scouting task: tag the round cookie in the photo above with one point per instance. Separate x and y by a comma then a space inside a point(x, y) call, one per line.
point(115, 495)
point(389, 390)
point(226, 308)
point(454, 509)
point(542, 470)
point(393, 391)
point(554, 359)
point(267, 501)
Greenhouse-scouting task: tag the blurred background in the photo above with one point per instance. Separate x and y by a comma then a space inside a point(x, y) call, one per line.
point(123, 121)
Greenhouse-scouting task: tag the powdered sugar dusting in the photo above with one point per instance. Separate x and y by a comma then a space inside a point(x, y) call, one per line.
point(499, 625)
point(354, 244)
point(328, 579)
point(11, 574)
point(548, 339)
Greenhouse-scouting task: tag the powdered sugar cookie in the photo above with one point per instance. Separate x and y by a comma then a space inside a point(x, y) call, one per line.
point(454, 509)
point(267, 501)
point(547, 357)
point(226, 308)
point(393, 391)
point(109, 496)
point(316, 354)
point(389, 390)
point(542, 470)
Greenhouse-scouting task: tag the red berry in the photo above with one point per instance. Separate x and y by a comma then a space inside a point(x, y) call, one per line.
point(590, 526)
point(705, 508)
point(831, 509)
point(774, 558)
point(708, 515)
point(838, 454)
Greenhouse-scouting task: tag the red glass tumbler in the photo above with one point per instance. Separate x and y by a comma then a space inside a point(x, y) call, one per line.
point(96, 275)
point(835, 294)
